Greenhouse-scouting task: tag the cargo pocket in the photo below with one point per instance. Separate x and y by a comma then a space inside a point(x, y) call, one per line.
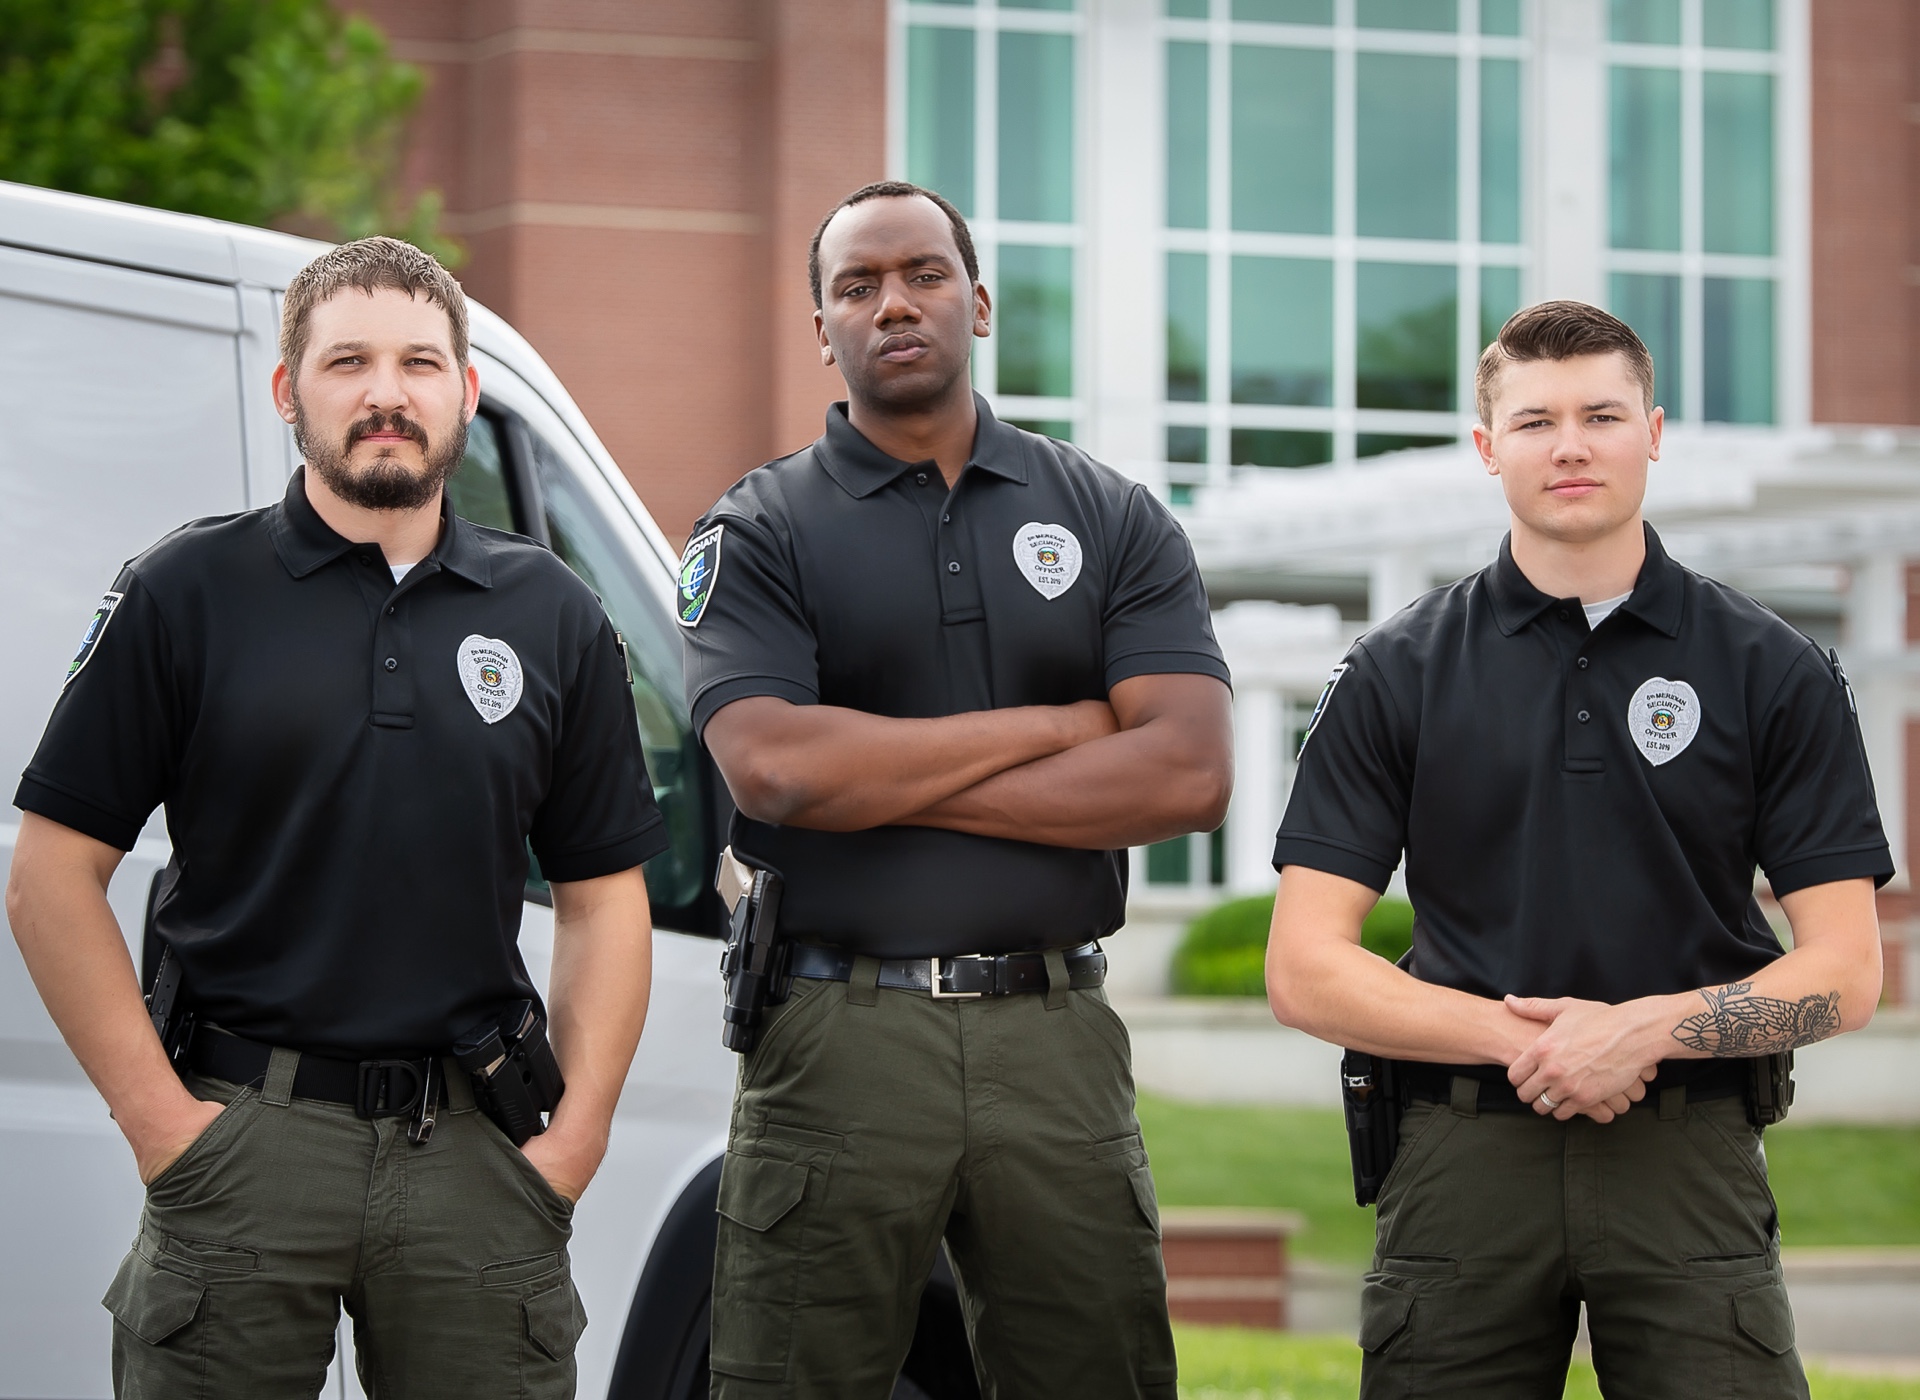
point(1384, 1311)
point(1766, 1317)
point(151, 1302)
point(757, 1265)
point(555, 1320)
point(1144, 1197)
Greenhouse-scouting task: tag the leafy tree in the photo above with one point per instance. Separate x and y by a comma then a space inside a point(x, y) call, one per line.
point(283, 113)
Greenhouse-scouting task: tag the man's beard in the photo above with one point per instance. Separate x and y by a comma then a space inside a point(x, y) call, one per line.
point(384, 483)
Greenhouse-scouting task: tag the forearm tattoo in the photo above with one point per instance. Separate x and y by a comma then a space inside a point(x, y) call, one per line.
point(1736, 1022)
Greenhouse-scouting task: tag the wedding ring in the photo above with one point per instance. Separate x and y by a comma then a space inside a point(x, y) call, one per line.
point(1548, 1103)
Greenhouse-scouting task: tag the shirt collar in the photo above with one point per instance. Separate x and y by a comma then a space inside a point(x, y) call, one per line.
point(305, 542)
point(861, 469)
point(1656, 600)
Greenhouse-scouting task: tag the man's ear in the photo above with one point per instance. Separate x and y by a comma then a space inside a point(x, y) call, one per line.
point(982, 312)
point(820, 334)
point(283, 391)
point(1656, 422)
point(472, 404)
point(1483, 440)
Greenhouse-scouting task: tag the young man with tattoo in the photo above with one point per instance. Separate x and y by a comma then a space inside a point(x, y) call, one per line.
point(1583, 752)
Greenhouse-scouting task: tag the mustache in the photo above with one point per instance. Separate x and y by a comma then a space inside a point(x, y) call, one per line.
point(395, 422)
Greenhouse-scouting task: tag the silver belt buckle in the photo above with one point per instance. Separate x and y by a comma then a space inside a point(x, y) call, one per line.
point(933, 982)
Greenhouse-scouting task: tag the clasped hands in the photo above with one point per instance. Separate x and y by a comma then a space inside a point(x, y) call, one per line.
point(1589, 1057)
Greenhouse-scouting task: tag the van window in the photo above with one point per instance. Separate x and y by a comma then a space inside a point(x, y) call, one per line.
point(583, 538)
point(478, 490)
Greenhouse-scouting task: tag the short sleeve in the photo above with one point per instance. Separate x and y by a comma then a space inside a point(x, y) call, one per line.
point(752, 636)
point(1351, 792)
point(1817, 817)
point(1157, 621)
point(112, 744)
point(599, 816)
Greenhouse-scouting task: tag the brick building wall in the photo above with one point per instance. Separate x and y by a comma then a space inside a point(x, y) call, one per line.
point(1866, 211)
point(636, 184)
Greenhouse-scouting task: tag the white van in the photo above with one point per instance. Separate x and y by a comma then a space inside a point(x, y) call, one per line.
point(136, 349)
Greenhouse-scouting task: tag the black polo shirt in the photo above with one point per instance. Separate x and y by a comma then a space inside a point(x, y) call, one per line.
point(841, 576)
point(351, 768)
point(1581, 811)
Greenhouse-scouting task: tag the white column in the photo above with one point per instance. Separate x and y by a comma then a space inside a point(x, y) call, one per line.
point(1876, 640)
point(1397, 577)
point(1124, 146)
point(1568, 154)
point(1255, 814)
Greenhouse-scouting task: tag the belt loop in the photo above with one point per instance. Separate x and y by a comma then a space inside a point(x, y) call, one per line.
point(459, 1087)
point(281, 1067)
point(863, 983)
point(1465, 1096)
point(1673, 1103)
point(1057, 983)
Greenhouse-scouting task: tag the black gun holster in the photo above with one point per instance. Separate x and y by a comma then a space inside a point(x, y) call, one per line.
point(1769, 1088)
point(753, 966)
point(515, 1076)
point(1372, 1101)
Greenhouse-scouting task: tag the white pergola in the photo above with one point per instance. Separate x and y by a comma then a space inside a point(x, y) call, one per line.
point(1825, 518)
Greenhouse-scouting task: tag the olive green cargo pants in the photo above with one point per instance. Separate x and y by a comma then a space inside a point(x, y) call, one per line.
point(1495, 1227)
point(451, 1258)
point(869, 1123)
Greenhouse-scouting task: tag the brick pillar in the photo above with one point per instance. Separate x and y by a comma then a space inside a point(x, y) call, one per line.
point(635, 185)
point(1866, 240)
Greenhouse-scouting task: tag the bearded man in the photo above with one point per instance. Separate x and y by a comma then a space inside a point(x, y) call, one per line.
point(359, 712)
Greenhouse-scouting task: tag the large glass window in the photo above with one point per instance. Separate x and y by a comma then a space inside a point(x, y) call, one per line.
point(992, 117)
point(1407, 167)
point(1693, 98)
point(1344, 223)
point(1282, 139)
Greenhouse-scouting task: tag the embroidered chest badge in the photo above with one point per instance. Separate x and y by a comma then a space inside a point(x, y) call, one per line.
point(1663, 717)
point(491, 674)
point(1049, 556)
point(699, 571)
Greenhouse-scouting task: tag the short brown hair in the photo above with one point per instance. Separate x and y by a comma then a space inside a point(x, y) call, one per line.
point(1559, 330)
point(367, 264)
point(895, 189)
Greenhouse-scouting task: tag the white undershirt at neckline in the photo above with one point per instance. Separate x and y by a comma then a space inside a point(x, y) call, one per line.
point(1599, 612)
point(399, 571)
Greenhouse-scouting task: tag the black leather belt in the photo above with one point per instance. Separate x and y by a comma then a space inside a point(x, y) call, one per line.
point(1721, 1079)
point(375, 1088)
point(965, 975)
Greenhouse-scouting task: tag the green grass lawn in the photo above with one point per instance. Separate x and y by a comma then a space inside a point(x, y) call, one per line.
point(1225, 1363)
point(1836, 1186)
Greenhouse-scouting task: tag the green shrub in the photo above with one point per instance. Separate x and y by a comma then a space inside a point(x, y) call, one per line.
point(1224, 952)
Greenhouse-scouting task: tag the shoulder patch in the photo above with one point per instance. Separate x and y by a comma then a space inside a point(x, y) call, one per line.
point(1320, 708)
point(699, 571)
point(96, 627)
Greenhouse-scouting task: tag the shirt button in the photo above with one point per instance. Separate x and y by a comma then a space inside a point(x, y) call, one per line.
point(945, 517)
point(953, 566)
point(390, 614)
point(920, 478)
point(366, 560)
point(1583, 717)
point(1581, 663)
point(393, 665)
point(1563, 614)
